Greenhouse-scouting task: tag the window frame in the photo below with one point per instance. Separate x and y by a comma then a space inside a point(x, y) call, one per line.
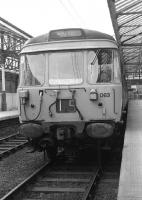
point(21, 85)
point(82, 72)
point(112, 80)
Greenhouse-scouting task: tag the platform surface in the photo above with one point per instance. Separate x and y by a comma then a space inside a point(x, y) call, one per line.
point(130, 182)
point(8, 114)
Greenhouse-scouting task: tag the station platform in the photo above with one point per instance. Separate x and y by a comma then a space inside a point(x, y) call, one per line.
point(130, 182)
point(4, 115)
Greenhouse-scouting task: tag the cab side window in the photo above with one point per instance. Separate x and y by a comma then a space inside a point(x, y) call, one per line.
point(100, 66)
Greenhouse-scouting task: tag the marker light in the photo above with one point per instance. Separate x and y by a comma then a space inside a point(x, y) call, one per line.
point(93, 95)
point(24, 96)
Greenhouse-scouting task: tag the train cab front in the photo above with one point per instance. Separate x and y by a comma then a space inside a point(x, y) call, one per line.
point(67, 116)
point(69, 94)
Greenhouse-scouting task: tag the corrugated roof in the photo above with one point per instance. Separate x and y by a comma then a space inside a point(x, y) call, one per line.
point(126, 18)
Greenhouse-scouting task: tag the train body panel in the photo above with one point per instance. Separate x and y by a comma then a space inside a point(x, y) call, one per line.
point(71, 86)
point(107, 106)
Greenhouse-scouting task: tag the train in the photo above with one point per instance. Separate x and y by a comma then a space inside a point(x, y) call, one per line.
point(72, 91)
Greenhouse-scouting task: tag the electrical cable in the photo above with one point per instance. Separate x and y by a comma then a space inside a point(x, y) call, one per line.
point(80, 115)
point(38, 111)
point(76, 13)
point(68, 11)
point(73, 97)
point(50, 112)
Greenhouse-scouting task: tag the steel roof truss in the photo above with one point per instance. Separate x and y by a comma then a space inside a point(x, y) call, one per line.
point(130, 38)
point(130, 13)
point(130, 6)
point(131, 58)
point(127, 32)
point(119, 26)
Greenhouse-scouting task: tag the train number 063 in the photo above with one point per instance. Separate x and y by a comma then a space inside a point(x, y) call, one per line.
point(104, 94)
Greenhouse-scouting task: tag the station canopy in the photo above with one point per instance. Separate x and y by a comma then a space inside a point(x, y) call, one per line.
point(12, 39)
point(126, 16)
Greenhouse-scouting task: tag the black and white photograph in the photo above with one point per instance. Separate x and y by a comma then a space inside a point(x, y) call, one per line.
point(70, 100)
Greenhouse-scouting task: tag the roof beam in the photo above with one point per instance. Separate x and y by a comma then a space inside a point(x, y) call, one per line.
point(128, 21)
point(131, 5)
point(131, 38)
point(127, 31)
point(134, 25)
point(129, 13)
point(132, 45)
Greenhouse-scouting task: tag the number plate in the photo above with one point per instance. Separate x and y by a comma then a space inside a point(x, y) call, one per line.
point(65, 106)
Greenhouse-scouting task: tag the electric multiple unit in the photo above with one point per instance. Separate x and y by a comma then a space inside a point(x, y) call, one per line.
point(71, 89)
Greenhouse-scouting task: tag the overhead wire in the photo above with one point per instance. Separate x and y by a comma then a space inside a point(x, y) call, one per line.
point(76, 12)
point(75, 17)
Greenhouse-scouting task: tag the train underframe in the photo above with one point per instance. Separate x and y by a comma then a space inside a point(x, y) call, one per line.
point(59, 138)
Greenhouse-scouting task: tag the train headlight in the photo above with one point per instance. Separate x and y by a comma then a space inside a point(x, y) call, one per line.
point(99, 130)
point(93, 95)
point(31, 130)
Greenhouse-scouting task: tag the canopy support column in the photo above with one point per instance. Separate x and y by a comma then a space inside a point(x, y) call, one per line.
point(3, 95)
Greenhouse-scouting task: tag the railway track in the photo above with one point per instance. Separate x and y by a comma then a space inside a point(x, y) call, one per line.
point(11, 143)
point(9, 122)
point(58, 180)
point(69, 178)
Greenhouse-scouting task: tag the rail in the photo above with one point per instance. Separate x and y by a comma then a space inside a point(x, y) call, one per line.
point(58, 181)
point(11, 143)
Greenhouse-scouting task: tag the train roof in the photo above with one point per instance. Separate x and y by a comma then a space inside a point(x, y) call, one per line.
point(69, 39)
point(69, 34)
